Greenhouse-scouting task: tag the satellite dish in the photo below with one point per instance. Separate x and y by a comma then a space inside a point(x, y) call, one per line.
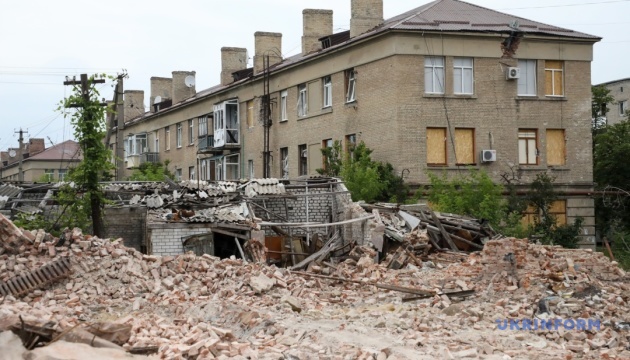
point(189, 81)
point(12, 153)
point(514, 24)
point(157, 100)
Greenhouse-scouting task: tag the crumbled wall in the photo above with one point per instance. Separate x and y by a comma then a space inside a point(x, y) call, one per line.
point(128, 223)
point(166, 239)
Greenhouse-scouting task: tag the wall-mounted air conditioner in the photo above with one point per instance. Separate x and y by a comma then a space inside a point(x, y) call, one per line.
point(488, 155)
point(513, 73)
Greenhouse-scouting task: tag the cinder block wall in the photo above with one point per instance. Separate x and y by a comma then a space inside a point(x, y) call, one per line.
point(128, 223)
point(166, 239)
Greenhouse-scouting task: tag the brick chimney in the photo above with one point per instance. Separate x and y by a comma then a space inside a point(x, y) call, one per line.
point(160, 86)
point(316, 24)
point(181, 89)
point(266, 43)
point(365, 15)
point(134, 104)
point(232, 59)
point(35, 146)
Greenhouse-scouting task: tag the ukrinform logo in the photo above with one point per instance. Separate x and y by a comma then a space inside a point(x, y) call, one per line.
point(548, 324)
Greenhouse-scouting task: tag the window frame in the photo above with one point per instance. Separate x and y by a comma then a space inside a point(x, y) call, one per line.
point(522, 136)
point(327, 88)
point(432, 68)
point(524, 80)
point(249, 106)
point(351, 145)
point(227, 161)
point(62, 174)
point(178, 136)
point(553, 72)
point(326, 144)
point(49, 174)
point(445, 133)
point(351, 85)
point(284, 116)
point(302, 104)
point(202, 126)
point(623, 107)
point(473, 150)
point(463, 69)
point(191, 173)
point(250, 169)
point(167, 137)
point(191, 132)
point(156, 141)
point(564, 146)
point(284, 162)
point(303, 163)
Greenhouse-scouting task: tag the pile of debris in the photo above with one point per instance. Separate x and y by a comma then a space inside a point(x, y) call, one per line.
point(202, 307)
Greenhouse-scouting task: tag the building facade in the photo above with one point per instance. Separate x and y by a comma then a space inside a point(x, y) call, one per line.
point(38, 162)
point(620, 91)
point(442, 88)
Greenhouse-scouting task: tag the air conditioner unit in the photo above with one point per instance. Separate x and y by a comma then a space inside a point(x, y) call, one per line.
point(488, 155)
point(513, 73)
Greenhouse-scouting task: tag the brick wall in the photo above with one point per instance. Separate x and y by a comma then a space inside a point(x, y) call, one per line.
point(166, 239)
point(128, 223)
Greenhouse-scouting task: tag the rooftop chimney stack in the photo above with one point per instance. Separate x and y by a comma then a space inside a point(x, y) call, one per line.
point(162, 87)
point(266, 44)
point(183, 85)
point(134, 104)
point(232, 59)
point(366, 15)
point(35, 146)
point(316, 24)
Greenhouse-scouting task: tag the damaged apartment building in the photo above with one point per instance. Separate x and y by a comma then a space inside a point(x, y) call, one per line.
point(441, 88)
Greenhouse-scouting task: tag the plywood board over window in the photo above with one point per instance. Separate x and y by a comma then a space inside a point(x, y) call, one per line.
point(558, 210)
point(556, 147)
point(465, 146)
point(436, 146)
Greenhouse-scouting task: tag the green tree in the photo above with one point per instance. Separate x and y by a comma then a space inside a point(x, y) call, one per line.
point(332, 160)
point(361, 175)
point(88, 120)
point(151, 172)
point(601, 98)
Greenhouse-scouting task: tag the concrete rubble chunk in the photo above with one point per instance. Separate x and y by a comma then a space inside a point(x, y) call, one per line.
point(261, 283)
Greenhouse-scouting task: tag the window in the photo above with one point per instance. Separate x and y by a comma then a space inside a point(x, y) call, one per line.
point(463, 75)
point(157, 141)
point(623, 107)
point(302, 100)
point(284, 163)
point(250, 168)
point(527, 147)
point(558, 210)
point(49, 175)
point(283, 105)
point(554, 79)
point(351, 144)
point(178, 174)
point(191, 132)
point(556, 147)
point(530, 216)
point(226, 124)
point(62, 174)
point(167, 137)
point(327, 91)
point(179, 135)
point(436, 146)
point(250, 114)
point(326, 144)
point(434, 75)
point(465, 146)
point(351, 84)
point(526, 84)
point(191, 173)
point(303, 156)
point(137, 144)
point(204, 169)
point(231, 167)
point(203, 125)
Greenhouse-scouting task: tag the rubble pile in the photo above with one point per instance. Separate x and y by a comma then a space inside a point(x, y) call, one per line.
point(203, 307)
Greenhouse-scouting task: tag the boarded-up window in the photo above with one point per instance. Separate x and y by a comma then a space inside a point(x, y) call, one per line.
point(527, 147)
point(554, 79)
point(530, 216)
point(250, 113)
point(558, 210)
point(465, 146)
point(556, 147)
point(436, 146)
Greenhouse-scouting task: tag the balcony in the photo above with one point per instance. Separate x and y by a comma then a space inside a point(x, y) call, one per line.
point(151, 157)
point(206, 142)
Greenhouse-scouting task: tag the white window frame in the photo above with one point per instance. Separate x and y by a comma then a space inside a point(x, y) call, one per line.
point(167, 135)
point(283, 105)
point(526, 83)
point(327, 81)
point(191, 132)
point(203, 125)
point(50, 174)
point(434, 76)
point(351, 94)
point(302, 105)
point(623, 107)
point(527, 147)
point(191, 173)
point(136, 142)
point(250, 168)
point(284, 160)
point(63, 173)
point(463, 75)
point(178, 174)
point(232, 161)
point(157, 141)
point(178, 138)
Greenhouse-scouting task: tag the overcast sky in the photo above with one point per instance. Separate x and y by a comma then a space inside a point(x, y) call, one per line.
point(42, 41)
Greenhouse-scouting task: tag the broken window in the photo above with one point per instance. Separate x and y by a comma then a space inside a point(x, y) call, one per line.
point(283, 105)
point(191, 173)
point(327, 91)
point(436, 146)
point(527, 147)
point(463, 75)
point(204, 170)
point(556, 147)
point(250, 114)
point(226, 124)
point(623, 107)
point(302, 100)
point(178, 174)
point(203, 125)
point(191, 132)
point(179, 135)
point(231, 167)
point(284, 162)
point(326, 144)
point(434, 74)
point(157, 141)
point(250, 167)
point(526, 83)
point(350, 78)
point(303, 156)
point(351, 144)
point(554, 78)
point(167, 136)
point(465, 146)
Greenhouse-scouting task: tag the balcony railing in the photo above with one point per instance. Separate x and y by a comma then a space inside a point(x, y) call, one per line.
point(206, 142)
point(151, 157)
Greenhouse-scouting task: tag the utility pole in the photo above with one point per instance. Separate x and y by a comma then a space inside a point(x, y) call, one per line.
point(21, 154)
point(89, 143)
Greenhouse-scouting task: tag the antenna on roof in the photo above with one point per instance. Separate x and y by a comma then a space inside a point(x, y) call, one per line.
point(189, 81)
point(514, 24)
